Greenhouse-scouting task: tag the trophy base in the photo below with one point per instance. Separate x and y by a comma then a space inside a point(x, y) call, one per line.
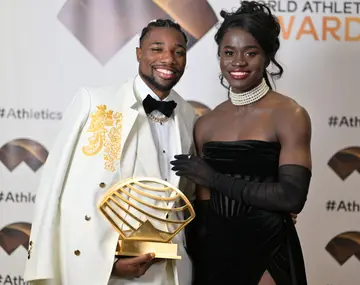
point(136, 248)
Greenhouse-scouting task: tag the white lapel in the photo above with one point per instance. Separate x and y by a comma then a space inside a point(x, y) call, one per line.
point(129, 112)
point(141, 142)
point(147, 154)
point(184, 132)
point(182, 140)
point(139, 156)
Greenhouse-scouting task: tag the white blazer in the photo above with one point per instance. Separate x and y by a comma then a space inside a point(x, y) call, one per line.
point(71, 242)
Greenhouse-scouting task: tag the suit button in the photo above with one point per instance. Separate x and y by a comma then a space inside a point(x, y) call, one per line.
point(102, 185)
point(77, 252)
point(87, 218)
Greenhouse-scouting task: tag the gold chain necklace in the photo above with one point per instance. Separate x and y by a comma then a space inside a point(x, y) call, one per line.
point(157, 119)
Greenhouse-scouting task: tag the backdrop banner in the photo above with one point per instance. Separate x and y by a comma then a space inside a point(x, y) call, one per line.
point(51, 48)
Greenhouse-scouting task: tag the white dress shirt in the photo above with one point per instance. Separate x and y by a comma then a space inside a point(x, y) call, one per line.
point(163, 133)
point(164, 139)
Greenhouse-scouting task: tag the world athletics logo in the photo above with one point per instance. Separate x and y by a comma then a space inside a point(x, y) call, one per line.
point(344, 246)
point(104, 27)
point(199, 108)
point(345, 162)
point(14, 235)
point(28, 151)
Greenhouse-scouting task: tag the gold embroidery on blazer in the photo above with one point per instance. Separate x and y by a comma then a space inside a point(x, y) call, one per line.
point(106, 128)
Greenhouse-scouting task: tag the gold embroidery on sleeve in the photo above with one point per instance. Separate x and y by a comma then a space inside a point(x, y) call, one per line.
point(105, 127)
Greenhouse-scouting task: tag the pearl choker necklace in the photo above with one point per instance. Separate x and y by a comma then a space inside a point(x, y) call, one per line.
point(251, 96)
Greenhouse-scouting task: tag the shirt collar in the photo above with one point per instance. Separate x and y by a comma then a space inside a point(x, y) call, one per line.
point(143, 90)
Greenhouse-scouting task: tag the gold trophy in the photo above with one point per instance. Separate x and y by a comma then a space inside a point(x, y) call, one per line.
point(147, 213)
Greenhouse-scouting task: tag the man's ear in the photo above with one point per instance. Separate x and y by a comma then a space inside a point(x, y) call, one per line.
point(138, 54)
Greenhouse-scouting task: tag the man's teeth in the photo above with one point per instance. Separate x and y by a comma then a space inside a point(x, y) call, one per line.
point(165, 71)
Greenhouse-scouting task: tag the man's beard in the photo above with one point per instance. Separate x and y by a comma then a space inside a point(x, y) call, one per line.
point(151, 80)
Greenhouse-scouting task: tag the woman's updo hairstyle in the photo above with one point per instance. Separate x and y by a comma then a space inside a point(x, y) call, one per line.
point(256, 19)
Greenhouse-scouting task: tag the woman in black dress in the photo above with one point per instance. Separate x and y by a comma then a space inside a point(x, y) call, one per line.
point(254, 164)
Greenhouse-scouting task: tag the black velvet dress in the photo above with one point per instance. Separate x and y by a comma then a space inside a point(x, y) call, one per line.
point(233, 243)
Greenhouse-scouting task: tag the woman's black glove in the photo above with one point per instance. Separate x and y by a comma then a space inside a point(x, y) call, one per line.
point(194, 168)
point(288, 195)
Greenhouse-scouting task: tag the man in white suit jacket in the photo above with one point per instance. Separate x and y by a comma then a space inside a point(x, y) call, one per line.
point(109, 134)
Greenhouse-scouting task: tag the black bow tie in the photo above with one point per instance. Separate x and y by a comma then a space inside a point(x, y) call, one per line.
point(150, 104)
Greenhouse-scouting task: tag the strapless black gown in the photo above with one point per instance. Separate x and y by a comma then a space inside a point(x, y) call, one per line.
point(237, 242)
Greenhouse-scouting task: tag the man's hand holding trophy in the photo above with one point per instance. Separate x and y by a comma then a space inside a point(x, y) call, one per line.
point(147, 213)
